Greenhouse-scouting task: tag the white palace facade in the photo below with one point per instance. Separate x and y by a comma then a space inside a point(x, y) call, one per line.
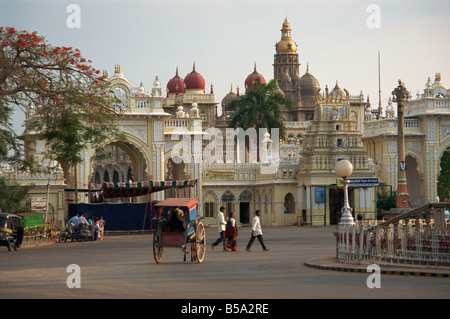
point(296, 183)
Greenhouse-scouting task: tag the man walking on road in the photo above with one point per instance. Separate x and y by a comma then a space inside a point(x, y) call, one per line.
point(256, 232)
point(221, 223)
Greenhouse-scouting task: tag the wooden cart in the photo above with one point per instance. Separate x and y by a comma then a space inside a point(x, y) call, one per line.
point(179, 225)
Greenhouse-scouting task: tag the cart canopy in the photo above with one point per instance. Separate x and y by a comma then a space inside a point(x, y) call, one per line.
point(178, 202)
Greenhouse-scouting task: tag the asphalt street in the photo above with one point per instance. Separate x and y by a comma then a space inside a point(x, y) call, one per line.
point(123, 267)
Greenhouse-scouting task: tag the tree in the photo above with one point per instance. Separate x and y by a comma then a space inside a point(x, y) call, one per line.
point(67, 101)
point(260, 107)
point(386, 199)
point(443, 184)
point(13, 197)
point(10, 149)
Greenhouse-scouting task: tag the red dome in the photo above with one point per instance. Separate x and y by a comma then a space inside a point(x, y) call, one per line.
point(176, 85)
point(252, 77)
point(194, 81)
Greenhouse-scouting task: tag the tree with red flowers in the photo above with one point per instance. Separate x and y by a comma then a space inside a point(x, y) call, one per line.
point(67, 101)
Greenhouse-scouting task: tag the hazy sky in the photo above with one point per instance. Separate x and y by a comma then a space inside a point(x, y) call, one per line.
point(226, 37)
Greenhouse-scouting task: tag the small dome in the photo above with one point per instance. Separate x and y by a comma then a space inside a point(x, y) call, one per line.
point(156, 83)
point(176, 85)
point(250, 80)
point(194, 81)
point(309, 86)
point(337, 91)
point(141, 90)
point(118, 71)
point(438, 83)
point(228, 98)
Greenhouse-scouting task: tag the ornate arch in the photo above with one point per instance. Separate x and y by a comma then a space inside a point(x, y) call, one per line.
point(417, 155)
point(210, 193)
point(127, 146)
point(442, 148)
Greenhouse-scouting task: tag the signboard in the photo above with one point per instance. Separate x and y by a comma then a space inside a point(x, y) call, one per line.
point(38, 203)
point(358, 182)
point(319, 194)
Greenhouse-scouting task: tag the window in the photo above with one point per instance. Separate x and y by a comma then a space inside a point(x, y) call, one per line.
point(203, 116)
point(208, 209)
point(289, 204)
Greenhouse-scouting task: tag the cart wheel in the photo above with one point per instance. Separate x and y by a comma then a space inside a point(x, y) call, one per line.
point(10, 245)
point(200, 241)
point(158, 250)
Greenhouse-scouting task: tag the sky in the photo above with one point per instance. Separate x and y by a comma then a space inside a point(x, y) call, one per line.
point(339, 39)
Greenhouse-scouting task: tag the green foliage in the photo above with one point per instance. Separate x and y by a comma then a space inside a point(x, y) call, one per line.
point(66, 99)
point(443, 184)
point(260, 107)
point(386, 199)
point(13, 197)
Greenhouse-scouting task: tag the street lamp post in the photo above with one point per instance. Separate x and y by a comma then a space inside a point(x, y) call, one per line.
point(344, 169)
point(400, 94)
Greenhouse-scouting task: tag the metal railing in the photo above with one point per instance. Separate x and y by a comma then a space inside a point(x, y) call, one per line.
point(420, 236)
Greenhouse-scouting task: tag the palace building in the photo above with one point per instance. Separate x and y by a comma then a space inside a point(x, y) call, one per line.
point(427, 137)
point(168, 134)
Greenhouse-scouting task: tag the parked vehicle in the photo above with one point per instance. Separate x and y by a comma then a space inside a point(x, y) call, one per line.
point(11, 231)
point(75, 233)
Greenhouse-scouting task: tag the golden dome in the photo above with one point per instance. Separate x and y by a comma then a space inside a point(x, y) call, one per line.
point(286, 44)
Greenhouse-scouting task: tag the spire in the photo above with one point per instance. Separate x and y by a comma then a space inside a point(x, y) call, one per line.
point(286, 29)
point(117, 69)
point(437, 77)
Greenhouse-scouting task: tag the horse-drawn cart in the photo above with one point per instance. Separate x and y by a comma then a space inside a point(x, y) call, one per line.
point(177, 224)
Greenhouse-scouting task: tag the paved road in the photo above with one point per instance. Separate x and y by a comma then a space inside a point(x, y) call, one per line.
point(123, 267)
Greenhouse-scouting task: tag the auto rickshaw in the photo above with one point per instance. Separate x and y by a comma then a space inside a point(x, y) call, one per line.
point(11, 231)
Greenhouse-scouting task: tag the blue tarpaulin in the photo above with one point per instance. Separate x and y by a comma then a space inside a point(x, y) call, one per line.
point(118, 217)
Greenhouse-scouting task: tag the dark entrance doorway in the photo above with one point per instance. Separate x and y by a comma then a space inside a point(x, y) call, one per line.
point(336, 202)
point(244, 213)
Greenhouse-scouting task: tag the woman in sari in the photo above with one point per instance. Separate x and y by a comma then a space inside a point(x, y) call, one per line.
point(231, 233)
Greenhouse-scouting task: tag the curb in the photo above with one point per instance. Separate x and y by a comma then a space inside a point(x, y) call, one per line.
point(359, 269)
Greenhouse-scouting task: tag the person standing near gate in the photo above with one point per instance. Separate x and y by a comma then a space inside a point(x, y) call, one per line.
point(256, 232)
point(221, 224)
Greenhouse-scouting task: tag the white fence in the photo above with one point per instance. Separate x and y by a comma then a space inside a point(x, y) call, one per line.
point(405, 241)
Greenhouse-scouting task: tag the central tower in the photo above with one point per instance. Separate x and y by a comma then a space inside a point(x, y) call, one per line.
point(286, 64)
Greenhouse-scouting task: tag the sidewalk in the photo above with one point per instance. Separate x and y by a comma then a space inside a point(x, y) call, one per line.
point(331, 263)
point(37, 242)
